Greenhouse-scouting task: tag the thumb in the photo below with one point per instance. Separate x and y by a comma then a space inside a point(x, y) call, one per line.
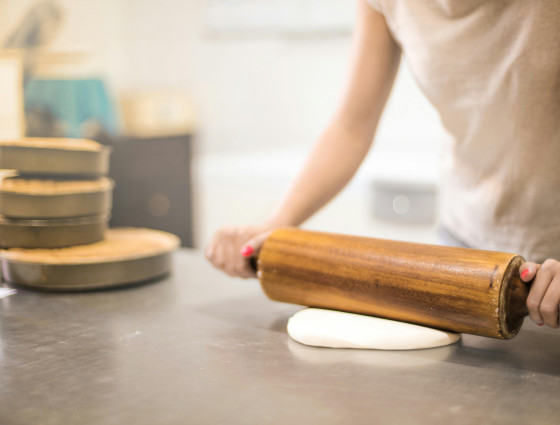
point(528, 271)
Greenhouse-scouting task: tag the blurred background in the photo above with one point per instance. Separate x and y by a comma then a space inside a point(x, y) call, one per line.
point(211, 106)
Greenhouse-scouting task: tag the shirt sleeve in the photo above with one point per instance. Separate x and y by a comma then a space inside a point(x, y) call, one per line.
point(377, 5)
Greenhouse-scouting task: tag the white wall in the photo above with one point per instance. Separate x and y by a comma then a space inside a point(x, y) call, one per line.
point(252, 93)
point(257, 93)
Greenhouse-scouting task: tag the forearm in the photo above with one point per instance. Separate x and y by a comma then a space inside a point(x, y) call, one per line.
point(346, 141)
point(330, 166)
point(337, 154)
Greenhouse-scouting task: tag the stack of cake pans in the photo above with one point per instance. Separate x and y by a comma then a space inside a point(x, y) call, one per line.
point(56, 195)
point(55, 204)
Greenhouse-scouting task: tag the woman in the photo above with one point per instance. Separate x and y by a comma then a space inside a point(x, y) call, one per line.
point(492, 70)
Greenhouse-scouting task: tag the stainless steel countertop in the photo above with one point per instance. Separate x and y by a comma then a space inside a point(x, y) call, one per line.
point(202, 348)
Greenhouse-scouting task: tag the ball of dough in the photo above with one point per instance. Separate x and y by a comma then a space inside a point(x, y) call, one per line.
point(336, 329)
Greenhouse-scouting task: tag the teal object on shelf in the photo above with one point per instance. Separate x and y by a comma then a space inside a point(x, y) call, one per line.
point(73, 102)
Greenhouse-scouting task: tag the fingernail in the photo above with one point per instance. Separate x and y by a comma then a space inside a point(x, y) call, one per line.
point(540, 324)
point(524, 273)
point(247, 251)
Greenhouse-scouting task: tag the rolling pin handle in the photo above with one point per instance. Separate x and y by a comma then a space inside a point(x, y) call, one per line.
point(253, 262)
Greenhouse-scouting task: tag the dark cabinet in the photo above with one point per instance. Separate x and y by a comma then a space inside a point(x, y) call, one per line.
point(153, 178)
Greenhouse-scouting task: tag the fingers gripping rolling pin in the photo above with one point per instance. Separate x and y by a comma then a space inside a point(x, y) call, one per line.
point(456, 289)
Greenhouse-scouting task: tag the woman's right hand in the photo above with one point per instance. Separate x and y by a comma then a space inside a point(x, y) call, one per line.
point(232, 247)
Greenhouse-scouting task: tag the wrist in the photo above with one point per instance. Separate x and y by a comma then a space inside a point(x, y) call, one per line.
point(276, 221)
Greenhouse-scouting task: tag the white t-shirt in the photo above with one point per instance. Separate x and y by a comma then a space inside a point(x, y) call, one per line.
point(492, 70)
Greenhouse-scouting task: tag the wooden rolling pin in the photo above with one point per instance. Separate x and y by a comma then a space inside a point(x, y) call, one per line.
point(456, 289)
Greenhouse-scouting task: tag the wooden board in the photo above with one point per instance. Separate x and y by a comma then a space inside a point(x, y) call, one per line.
point(125, 256)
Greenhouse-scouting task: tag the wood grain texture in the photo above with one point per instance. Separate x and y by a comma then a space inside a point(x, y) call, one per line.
point(456, 289)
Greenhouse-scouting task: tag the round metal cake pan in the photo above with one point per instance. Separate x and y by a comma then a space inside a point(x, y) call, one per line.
point(52, 161)
point(80, 277)
point(57, 233)
point(35, 206)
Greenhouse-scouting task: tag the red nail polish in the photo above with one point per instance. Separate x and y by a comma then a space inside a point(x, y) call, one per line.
point(540, 324)
point(524, 273)
point(247, 251)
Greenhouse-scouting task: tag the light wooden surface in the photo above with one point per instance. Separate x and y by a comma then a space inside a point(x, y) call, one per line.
point(457, 289)
point(12, 116)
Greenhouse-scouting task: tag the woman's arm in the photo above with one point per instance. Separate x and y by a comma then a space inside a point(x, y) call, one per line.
point(339, 151)
point(347, 139)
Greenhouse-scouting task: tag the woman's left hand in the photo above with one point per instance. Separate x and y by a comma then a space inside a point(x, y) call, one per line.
point(543, 302)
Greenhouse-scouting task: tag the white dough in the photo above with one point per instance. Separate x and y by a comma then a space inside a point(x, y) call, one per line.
point(336, 329)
